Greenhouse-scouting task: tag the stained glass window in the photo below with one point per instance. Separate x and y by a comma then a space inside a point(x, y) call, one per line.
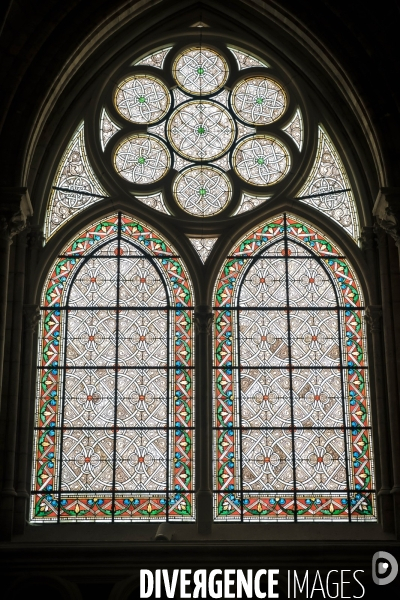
point(107, 128)
point(114, 413)
point(203, 246)
point(245, 60)
point(142, 99)
point(141, 159)
point(328, 189)
point(291, 416)
point(155, 59)
point(75, 185)
point(200, 70)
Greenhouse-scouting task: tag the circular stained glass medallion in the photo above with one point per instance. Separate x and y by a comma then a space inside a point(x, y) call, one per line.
point(200, 70)
point(259, 100)
point(261, 160)
point(141, 159)
point(142, 99)
point(201, 130)
point(202, 191)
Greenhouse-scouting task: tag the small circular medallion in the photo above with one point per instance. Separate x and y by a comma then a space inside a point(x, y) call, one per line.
point(142, 159)
point(259, 100)
point(261, 160)
point(202, 191)
point(142, 99)
point(200, 71)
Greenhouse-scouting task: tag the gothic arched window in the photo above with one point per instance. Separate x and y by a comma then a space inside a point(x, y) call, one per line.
point(201, 141)
point(292, 432)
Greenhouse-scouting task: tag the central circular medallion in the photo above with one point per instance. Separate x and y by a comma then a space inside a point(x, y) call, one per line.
point(202, 191)
point(201, 130)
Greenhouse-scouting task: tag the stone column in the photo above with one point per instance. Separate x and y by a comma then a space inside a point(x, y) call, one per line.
point(15, 208)
point(373, 316)
point(387, 212)
point(31, 318)
point(203, 319)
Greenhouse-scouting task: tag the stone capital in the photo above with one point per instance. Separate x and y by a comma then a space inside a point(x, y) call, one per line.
point(387, 212)
point(367, 239)
point(373, 315)
point(31, 316)
point(15, 209)
point(203, 318)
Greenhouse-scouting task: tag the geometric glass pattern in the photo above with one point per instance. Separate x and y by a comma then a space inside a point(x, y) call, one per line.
point(248, 202)
point(203, 246)
point(200, 70)
point(202, 191)
point(155, 201)
point(78, 186)
point(292, 430)
point(107, 128)
point(142, 99)
point(141, 158)
point(114, 413)
point(258, 100)
point(156, 59)
point(201, 130)
point(295, 129)
point(245, 60)
point(261, 160)
point(329, 187)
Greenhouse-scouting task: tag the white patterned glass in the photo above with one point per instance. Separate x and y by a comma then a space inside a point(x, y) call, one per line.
point(200, 71)
point(142, 99)
point(201, 130)
point(141, 159)
point(261, 160)
point(259, 100)
point(202, 191)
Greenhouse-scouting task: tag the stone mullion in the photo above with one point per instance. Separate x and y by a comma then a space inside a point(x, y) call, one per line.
point(203, 319)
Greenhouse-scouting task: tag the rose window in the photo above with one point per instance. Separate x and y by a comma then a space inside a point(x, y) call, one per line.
point(202, 133)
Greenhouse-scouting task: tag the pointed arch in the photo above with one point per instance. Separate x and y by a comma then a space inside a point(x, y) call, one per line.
point(114, 411)
point(291, 412)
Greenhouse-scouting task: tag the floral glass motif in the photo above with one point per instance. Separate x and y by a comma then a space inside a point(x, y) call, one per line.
point(107, 128)
point(295, 129)
point(142, 159)
point(202, 191)
point(142, 99)
point(248, 202)
point(79, 185)
point(261, 160)
point(245, 60)
point(291, 412)
point(155, 201)
point(203, 246)
point(114, 413)
point(200, 70)
point(201, 130)
point(258, 100)
point(156, 59)
point(330, 187)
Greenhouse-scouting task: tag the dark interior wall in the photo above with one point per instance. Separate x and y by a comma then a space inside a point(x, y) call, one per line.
point(50, 52)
